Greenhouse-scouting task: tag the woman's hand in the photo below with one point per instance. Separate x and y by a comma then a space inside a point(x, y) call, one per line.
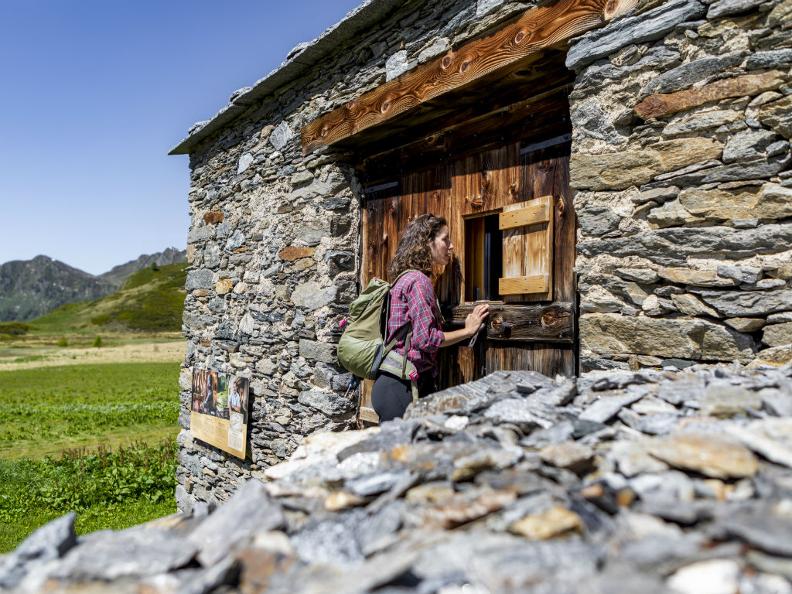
point(476, 318)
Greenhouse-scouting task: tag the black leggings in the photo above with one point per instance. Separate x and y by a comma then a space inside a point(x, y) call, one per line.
point(391, 396)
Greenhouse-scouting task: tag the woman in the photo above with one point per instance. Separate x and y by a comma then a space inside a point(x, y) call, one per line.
point(425, 243)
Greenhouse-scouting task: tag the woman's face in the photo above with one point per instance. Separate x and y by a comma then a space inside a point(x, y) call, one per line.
point(441, 247)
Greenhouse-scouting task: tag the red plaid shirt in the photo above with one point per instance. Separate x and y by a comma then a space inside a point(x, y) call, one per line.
point(413, 301)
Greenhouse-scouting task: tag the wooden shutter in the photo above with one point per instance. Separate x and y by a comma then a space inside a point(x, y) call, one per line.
point(527, 250)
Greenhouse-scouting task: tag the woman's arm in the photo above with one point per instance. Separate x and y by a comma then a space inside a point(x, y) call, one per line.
point(473, 323)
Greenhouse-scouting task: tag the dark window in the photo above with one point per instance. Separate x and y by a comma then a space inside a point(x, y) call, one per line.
point(483, 258)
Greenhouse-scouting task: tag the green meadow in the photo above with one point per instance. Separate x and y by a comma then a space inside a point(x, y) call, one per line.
point(90, 405)
point(96, 439)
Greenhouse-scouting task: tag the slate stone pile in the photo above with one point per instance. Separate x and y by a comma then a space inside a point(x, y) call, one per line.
point(617, 483)
point(682, 118)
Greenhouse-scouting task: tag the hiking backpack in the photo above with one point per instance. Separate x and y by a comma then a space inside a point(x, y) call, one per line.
point(362, 348)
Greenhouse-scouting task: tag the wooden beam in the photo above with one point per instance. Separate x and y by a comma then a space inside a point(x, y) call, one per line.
point(526, 323)
point(536, 211)
point(523, 285)
point(538, 28)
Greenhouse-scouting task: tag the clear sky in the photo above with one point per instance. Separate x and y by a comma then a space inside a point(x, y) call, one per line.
point(93, 94)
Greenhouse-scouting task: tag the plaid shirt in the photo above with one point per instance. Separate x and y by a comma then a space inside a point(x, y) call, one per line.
point(413, 301)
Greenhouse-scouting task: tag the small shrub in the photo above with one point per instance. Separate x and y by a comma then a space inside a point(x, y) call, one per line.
point(63, 341)
point(97, 342)
point(14, 328)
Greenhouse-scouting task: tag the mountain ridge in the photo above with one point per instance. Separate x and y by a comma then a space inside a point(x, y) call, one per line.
point(35, 287)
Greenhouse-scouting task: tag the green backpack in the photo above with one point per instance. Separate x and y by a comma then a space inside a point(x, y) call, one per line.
point(362, 349)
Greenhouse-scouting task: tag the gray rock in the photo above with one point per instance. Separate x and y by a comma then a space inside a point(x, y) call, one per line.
point(638, 275)
point(744, 274)
point(50, 542)
point(328, 542)
point(136, 552)
point(281, 136)
point(224, 573)
point(777, 402)
point(722, 399)
point(607, 407)
point(648, 26)
point(312, 295)
point(318, 351)
point(729, 7)
point(742, 303)
point(713, 172)
point(485, 6)
point(762, 528)
point(598, 221)
point(438, 46)
point(770, 438)
point(747, 145)
point(329, 403)
point(672, 246)
point(521, 412)
point(591, 120)
point(221, 532)
point(199, 279)
point(685, 75)
point(777, 334)
point(658, 424)
point(245, 161)
point(376, 483)
point(770, 59)
point(632, 458)
point(397, 64)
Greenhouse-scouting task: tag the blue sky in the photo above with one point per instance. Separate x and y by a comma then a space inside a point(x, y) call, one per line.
point(93, 94)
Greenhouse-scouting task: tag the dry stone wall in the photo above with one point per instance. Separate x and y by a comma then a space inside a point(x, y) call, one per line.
point(617, 482)
point(682, 117)
point(274, 245)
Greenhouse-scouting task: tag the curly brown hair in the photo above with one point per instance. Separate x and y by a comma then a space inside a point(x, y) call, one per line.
point(413, 250)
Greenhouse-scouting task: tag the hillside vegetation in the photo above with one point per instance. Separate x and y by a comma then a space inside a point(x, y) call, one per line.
point(151, 300)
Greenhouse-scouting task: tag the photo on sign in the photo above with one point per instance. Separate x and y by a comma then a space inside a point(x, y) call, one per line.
point(220, 410)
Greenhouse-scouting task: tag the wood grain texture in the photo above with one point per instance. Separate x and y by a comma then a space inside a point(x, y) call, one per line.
point(537, 28)
point(528, 252)
point(527, 323)
point(524, 285)
point(485, 181)
point(537, 212)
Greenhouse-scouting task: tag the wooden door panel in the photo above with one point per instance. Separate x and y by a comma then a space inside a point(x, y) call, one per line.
point(549, 360)
point(539, 335)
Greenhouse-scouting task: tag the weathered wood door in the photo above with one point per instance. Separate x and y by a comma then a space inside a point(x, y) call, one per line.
point(516, 196)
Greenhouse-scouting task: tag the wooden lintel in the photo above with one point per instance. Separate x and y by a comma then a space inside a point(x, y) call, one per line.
point(538, 28)
point(531, 323)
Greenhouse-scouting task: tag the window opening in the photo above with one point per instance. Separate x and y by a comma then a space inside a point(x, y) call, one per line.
point(483, 258)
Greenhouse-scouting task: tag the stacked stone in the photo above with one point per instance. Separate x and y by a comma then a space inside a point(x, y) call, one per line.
point(617, 483)
point(682, 117)
point(274, 243)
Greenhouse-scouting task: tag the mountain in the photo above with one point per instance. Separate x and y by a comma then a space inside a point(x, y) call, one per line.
point(151, 300)
point(30, 288)
point(118, 274)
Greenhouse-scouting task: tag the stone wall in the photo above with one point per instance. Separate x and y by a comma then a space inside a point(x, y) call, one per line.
point(682, 118)
point(274, 245)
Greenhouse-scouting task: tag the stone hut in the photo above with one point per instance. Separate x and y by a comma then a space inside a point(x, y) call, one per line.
point(616, 175)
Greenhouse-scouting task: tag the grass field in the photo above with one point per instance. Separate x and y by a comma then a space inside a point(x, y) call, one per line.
point(89, 405)
point(94, 438)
